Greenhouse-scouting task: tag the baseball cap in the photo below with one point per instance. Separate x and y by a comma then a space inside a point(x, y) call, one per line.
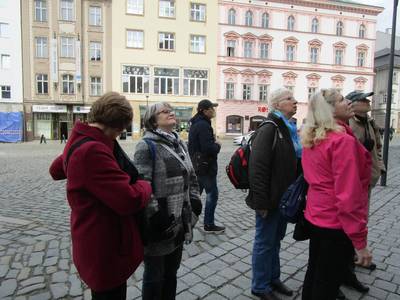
point(205, 104)
point(357, 96)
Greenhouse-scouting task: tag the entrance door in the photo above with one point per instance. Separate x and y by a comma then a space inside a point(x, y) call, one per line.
point(255, 122)
point(64, 129)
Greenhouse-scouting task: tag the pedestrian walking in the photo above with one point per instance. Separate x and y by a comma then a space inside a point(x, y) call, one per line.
point(162, 158)
point(273, 166)
point(204, 149)
point(104, 200)
point(63, 139)
point(43, 139)
point(338, 170)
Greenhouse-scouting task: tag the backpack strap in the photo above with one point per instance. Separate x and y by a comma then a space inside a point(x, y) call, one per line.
point(275, 136)
point(152, 150)
point(73, 147)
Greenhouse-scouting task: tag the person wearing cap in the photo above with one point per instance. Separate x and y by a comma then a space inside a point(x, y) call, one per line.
point(203, 150)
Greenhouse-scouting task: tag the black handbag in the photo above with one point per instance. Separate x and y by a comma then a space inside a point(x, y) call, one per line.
point(201, 163)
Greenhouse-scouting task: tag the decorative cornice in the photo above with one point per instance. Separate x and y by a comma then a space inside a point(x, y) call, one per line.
point(315, 42)
point(340, 45)
point(264, 73)
point(361, 79)
point(232, 34)
point(248, 72)
point(313, 76)
point(362, 47)
point(265, 37)
point(338, 78)
point(231, 71)
point(289, 74)
point(291, 40)
point(249, 36)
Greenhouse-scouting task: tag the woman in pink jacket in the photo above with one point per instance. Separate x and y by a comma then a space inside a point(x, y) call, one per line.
point(337, 169)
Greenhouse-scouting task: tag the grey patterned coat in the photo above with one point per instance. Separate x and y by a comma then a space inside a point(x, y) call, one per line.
point(170, 181)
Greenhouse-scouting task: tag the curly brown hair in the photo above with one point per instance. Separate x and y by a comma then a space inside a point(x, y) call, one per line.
point(112, 110)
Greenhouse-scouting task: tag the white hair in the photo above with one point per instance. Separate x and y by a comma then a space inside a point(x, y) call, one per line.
point(150, 116)
point(320, 117)
point(278, 96)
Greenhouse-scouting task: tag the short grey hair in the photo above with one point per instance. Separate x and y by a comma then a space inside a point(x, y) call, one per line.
point(150, 117)
point(278, 96)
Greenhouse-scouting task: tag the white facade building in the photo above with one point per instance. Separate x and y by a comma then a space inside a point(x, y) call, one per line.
point(10, 57)
point(301, 45)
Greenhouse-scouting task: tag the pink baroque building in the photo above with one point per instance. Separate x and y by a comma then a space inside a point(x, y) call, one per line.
point(303, 45)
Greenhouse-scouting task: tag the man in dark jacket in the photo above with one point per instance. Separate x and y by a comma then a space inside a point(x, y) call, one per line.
point(204, 149)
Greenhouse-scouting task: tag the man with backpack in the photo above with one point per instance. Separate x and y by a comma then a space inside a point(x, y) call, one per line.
point(203, 150)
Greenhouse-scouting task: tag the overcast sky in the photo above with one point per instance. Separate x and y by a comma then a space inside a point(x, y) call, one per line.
point(385, 18)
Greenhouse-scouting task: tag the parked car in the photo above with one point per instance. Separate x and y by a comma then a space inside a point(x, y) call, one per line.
point(243, 139)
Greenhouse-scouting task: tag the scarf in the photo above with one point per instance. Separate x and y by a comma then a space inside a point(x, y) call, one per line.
point(171, 137)
point(293, 132)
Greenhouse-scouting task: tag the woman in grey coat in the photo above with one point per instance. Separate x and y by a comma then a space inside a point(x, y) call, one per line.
point(162, 158)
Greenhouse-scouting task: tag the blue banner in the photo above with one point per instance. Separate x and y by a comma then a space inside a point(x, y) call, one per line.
point(11, 127)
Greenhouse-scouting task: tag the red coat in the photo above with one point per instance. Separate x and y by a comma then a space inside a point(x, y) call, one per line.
point(106, 244)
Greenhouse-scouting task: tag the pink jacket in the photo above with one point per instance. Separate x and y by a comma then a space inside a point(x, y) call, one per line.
point(338, 171)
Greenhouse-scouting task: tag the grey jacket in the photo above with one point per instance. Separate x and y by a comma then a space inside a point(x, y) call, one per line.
point(171, 182)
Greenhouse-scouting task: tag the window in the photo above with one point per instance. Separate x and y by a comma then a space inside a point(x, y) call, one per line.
point(339, 28)
point(5, 61)
point(290, 88)
point(265, 20)
point(290, 23)
point(249, 18)
point(314, 55)
point(246, 92)
point(311, 91)
point(198, 43)
point(67, 47)
point(96, 87)
point(95, 15)
point(232, 17)
point(67, 10)
point(361, 31)
point(339, 57)
point(198, 12)
point(264, 50)
point(289, 52)
point(230, 49)
point(314, 25)
point(41, 47)
point(195, 82)
point(5, 92)
point(68, 84)
point(234, 124)
point(4, 30)
point(134, 38)
point(135, 80)
point(40, 11)
point(248, 47)
point(166, 41)
point(135, 7)
point(263, 92)
point(361, 59)
point(166, 81)
point(42, 84)
point(167, 8)
point(95, 51)
point(230, 91)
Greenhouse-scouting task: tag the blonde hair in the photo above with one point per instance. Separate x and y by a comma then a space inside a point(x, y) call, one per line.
point(320, 117)
point(278, 96)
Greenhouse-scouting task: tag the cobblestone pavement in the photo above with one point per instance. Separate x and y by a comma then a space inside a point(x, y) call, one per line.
point(35, 255)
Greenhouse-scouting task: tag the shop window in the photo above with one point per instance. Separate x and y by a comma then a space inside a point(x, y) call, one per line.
point(135, 79)
point(234, 124)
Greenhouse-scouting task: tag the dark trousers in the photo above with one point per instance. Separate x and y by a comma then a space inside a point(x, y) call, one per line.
point(329, 254)
point(118, 293)
point(159, 277)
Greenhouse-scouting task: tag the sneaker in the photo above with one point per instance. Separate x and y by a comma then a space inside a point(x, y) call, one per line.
point(214, 228)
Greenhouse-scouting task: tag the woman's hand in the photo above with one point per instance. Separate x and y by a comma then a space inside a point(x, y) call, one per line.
point(364, 257)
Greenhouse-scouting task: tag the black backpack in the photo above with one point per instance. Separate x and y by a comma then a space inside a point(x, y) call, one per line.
point(238, 167)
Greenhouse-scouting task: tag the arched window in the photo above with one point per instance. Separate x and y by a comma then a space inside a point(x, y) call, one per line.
point(290, 23)
point(361, 31)
point(232, 17)
point(249, 18)
point(265, 20)
point(234, 124)
point(314, 25)
point(339, 28)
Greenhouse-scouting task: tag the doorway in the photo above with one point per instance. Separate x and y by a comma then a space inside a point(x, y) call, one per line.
point(64, 130)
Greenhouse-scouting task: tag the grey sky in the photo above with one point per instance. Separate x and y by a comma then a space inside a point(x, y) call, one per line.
point(385, 18)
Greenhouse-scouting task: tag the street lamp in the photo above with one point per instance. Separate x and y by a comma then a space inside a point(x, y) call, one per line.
point(389, 95)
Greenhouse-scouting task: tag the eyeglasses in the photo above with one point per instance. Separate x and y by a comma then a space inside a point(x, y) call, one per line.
point(166, 111)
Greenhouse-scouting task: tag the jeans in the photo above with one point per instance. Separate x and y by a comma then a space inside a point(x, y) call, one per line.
point(159, 277)
point(328, 264)
point(117, 293)
point(267, 244)
point(209, 183)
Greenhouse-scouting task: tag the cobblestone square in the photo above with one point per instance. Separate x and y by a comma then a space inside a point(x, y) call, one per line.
point(35, 254)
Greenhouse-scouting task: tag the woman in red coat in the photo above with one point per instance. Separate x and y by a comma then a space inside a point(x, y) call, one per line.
point(105, 239)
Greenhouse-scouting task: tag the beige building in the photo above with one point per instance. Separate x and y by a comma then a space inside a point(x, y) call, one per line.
point(164, 50)
point(66, 62)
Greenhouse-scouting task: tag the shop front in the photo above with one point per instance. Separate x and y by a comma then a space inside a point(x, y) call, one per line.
point(48, 120)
